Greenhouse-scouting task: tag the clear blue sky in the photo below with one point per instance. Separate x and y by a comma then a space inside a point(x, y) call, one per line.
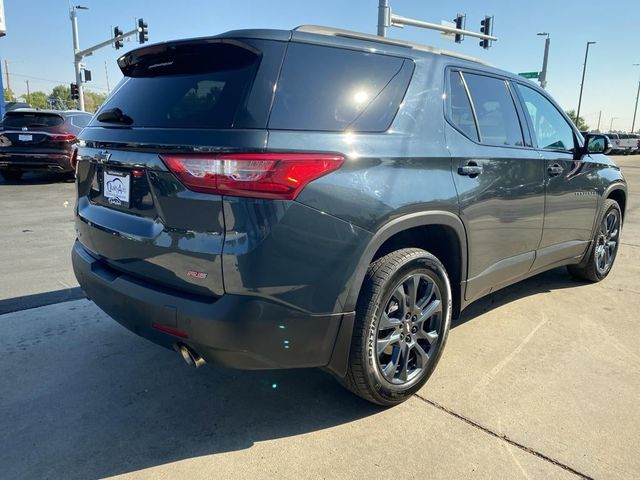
point(38, 44)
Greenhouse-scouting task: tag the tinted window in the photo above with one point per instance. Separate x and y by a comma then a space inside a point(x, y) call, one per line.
point(333, 89)
point(550, 128)
point(459, 107)
point(80, 121)
point(497, 117)
point(31, 120)
point(201, 85)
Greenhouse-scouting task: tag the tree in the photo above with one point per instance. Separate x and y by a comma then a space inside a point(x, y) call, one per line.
point(93, 100)
point(62, 95)
point(37, 99)
point(9, 96)
point(580, 123)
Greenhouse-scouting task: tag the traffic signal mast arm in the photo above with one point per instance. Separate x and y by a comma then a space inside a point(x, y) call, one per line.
point(88, 51)
point(397, 20)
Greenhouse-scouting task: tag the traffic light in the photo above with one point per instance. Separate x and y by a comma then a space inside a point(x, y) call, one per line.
point(143, 31)
point(460, 21)
point(75, 93)
point(116, 33)
point(485, 27)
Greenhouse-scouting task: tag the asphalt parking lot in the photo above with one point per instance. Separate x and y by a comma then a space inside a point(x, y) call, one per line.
point(539, 380)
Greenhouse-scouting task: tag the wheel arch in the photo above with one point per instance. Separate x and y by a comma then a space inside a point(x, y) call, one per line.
point(617, 192)
point(407, 231)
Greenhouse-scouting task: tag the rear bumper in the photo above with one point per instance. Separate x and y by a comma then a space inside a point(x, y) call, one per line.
point(234, 331)
point(36, 162)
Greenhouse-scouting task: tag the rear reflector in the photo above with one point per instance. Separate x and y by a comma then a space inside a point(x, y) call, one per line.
point(170, 330)
point(65, 137)
point(258, 175)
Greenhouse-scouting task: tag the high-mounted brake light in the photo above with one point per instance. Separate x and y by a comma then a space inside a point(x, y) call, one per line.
point(258, 175)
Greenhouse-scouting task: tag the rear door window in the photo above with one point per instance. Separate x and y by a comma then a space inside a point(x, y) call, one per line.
point(17, 120)
point(495, 109)
point(459, 107)
point(335, 89)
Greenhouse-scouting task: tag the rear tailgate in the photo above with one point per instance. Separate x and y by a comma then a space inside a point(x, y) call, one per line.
point(189, 96)
point(139, 219)
point(30, 131)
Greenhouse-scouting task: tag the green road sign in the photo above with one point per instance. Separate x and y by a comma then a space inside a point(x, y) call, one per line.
point(530, 74)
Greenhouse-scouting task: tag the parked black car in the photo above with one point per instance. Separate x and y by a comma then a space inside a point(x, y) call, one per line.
point(323, 198)
point(39, 141)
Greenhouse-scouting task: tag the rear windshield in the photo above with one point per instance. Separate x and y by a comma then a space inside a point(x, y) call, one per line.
point(334, 89)
point(212, 85)
point(31, 120)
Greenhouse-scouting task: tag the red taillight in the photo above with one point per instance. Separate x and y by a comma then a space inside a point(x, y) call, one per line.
point(260, 175)
point(74, 160)
point(64, 137)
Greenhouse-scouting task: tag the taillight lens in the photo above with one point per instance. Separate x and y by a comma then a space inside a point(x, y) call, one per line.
point(74, 160)
point(63, 137)
point(259, 175)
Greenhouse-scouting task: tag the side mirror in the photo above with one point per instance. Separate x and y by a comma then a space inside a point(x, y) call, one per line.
point(595, 143)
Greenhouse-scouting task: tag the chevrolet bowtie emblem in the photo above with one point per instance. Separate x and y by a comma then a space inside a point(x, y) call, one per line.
point(102, 156)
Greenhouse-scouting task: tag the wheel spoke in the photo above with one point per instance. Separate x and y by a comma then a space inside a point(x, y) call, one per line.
point(387, 322)
point(404, 363)
point(401, 297)
point(434, 307)
point(392, 339)
point(424, 301)
point(422, 356)
point(390, 368)
point(431, 337)
point(412, 287)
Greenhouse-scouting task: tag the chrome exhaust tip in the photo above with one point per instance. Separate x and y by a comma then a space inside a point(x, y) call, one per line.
point(191, 357)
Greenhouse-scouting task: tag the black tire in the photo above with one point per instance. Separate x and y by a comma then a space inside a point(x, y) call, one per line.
point(592, 267)
point(389, 277)
point(11, 175)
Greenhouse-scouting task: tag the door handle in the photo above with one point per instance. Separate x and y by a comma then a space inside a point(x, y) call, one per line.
point(555, 170)
point(471, 169)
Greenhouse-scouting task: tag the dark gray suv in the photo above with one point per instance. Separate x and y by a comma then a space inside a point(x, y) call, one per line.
point(324, 198)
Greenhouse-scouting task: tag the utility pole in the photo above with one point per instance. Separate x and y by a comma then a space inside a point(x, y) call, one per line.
point(584, 71)
point(599, 118)
point(6, 73)
point(545, 59)
point(635, 109)
point(28, 92)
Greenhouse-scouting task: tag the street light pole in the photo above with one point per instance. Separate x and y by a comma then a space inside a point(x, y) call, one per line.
point(76, 48)
point(384, 17)
point(545, 59)
point(584, 71)
point(635, 109)
point(611, 123)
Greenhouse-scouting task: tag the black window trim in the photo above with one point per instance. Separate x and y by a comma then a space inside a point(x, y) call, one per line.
point(577, 136)
point(522, 118)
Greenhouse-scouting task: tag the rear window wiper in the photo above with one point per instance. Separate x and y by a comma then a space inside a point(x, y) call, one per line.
point(114, 115)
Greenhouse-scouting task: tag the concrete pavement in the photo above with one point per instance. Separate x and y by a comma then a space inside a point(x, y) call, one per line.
point(539, 380)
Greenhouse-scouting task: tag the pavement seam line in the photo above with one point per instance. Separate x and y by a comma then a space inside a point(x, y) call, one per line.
point(505, 438)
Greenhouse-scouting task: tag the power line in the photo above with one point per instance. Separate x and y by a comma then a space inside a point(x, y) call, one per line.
point(59, 82)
